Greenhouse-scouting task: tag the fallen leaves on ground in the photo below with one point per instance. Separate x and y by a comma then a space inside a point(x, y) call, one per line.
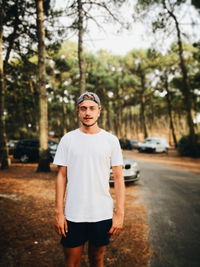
point(26, 225)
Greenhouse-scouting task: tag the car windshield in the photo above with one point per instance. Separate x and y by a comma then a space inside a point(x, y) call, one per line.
point(53, 144)
point(151, 141)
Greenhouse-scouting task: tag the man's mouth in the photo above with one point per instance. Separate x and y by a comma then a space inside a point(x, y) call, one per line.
point(87, 118)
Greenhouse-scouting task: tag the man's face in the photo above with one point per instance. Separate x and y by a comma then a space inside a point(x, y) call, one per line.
point(88, 112)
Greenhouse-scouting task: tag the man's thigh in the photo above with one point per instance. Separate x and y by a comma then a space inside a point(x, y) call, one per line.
point(73, 255)
point(96, 255)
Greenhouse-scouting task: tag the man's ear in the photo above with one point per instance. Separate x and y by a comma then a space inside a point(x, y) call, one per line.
point(100, 109)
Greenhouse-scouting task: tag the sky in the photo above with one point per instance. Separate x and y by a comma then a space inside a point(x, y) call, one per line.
point(108, 38)
point(139, 36)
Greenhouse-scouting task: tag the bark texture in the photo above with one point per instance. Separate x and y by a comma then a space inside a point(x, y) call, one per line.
point(80, 48)
point(169, 107)
point(142, 107)
point(3, 148)
point(44, 161)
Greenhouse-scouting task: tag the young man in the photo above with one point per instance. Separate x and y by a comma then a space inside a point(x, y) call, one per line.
point(84, 157)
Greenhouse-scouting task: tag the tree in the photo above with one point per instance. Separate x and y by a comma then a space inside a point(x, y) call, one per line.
point(166, 69)
point(44, 162)
point(165, 81)
point(20, 61)
point(196, 3)
point(3, 148)
point(80, 11)
point(139, 63)
point(80, 47)
point(22, 99)
point(63, 88)
point(168, 12)
point(186, 86)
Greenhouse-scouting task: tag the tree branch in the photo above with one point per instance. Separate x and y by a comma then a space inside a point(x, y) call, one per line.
point(103, 5)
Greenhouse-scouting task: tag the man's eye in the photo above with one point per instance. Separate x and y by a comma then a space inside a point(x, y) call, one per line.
point(82, 108)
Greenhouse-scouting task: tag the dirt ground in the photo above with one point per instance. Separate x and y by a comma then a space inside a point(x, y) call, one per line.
point(26, 224)
point(27, 209)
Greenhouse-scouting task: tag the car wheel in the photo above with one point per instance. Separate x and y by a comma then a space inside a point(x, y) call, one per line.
point(166, 150)
point(24, 158)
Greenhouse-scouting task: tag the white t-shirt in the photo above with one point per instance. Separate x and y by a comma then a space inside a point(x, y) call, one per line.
point(88, 158)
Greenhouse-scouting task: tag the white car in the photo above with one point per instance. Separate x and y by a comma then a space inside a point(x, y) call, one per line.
point(154, 144)
point(130, 170)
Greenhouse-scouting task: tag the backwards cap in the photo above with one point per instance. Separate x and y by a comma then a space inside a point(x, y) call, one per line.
point(88, 96)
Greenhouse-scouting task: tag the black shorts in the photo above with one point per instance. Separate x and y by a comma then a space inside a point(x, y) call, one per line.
point(94, 232)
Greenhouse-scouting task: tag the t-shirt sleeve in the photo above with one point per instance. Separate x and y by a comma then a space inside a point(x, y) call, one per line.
point(116, 155)
point(61, 153)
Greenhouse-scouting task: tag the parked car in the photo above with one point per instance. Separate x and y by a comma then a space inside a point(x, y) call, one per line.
point(130, 170)
point(11, 146)
point(154, 144)
point(134, 143)
point(125, 144)
point(27, 150)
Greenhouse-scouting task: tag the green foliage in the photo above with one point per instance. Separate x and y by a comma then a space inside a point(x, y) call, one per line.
point(20, 33)
point(196, 3)
point(116, 79)
point(122, 82)
point(21, 99)
point(186, 149)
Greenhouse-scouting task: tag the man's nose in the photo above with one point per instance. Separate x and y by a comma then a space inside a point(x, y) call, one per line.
point(87, 111)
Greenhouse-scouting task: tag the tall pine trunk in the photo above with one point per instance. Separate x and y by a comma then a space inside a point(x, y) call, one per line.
point(142, 107)
point(186, 91)
point(80, 48)
point(169, 107)
point(44, 161)
point(3, 147)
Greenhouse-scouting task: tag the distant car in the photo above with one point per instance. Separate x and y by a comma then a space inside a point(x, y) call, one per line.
point(27, 150)
point(125, 144)
point(154, 144)
point(11, 146)
point(130, 170)
point(134, 143)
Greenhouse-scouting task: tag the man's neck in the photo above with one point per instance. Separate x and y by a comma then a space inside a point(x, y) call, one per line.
point(90, 130)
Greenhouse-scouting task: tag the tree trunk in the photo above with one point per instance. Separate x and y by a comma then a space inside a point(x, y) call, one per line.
point(12, 36)
point(186, 88)
point(80, 48)
point(143, 118)
point(115, 117)
point(125, 123)
point(108, 117)
point(169, 107)
point(142, 107)
point(119, 121)
point(44, 161)
point(64, 121)
point(3, 147)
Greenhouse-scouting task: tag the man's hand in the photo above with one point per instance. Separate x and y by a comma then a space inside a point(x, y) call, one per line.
point(118, 217)
point(117, 224)
point(61, 224)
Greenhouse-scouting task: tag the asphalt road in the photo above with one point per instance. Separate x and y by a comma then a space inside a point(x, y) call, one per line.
point(173, 201)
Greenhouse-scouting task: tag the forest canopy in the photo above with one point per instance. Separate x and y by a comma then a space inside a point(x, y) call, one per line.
point(143, 93)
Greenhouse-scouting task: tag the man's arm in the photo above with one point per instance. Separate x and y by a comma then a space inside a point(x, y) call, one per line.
point(60, 221)
point(118, 217)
